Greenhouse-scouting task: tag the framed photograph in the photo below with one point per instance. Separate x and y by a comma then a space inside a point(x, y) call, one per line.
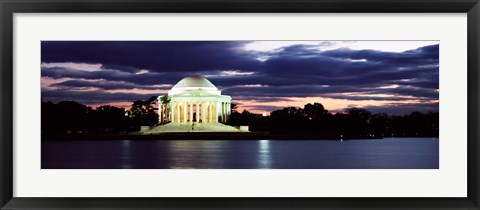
point(228, 105)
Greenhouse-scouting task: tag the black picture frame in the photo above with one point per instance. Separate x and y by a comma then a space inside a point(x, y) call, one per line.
point(10, 7)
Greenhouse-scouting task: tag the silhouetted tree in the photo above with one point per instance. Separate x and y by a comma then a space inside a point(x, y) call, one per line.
point(245, 118)
point(64, 117)
point(380, 124)
point(319, 118)
point(69, 117)
point(143, 112)
point(108, 119)
point(233, 108)
point(358, 122)
point(288, 120)
point(415, 124)
point(314, 111)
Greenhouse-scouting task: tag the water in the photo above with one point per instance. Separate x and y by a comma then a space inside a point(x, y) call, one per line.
point(389, 153)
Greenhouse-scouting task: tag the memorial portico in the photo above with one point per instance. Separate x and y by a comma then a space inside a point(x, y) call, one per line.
point(194, 99)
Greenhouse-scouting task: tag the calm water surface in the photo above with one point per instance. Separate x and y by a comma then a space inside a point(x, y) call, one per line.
point(389, 153)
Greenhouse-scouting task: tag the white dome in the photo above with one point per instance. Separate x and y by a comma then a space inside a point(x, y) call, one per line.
point(194, 82)
point(194, 85)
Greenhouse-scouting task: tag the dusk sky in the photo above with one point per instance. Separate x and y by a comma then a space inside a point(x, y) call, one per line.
point(395, 77)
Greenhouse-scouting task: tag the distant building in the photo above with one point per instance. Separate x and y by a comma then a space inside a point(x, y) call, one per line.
point(194, 99)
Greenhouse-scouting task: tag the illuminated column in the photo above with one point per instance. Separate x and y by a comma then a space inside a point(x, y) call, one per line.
point(172, 117)
point(184, 111)
point(178, 112)
point(224, 112)
point(198, 111)
point(173, 112)
point(204, 112)
point(200, 105)
point(159, 113)
point(210, 113)
point(191, 113)
point(221, 111)
point(170, 111)
point(205, 118)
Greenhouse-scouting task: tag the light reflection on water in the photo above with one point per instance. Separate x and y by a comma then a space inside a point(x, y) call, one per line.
point(126, 157)
point(242, 154)
point(195, 154)
point(264, 159)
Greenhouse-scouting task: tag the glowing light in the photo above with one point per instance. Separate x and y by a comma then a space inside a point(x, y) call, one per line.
point(143, 71)
point(235, 73)
point(229, 73)
point(389, 86)
point(263, 58)
point(264, 159)
point(126, 157)
point(252, 85)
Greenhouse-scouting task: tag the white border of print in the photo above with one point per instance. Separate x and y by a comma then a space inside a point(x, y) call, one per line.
point(448, 181)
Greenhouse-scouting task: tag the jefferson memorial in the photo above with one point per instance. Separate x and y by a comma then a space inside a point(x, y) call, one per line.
point(194, 99)
point(194, 104)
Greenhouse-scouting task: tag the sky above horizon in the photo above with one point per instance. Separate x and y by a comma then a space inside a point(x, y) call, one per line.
point(395, 77)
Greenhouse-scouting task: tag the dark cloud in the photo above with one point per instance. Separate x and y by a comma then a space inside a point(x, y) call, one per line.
point(162, 56)
point(293, 71)
point(421, 56)
point(287, 91)
point(92, 97)
point(105, 85)
point(413, 92)
point(151, 78)
point(129, 69)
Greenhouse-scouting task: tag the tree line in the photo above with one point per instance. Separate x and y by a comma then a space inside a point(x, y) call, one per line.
point(70, 117)
point(353, 123)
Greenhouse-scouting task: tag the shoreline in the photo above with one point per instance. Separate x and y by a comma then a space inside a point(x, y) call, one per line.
point(213, 136)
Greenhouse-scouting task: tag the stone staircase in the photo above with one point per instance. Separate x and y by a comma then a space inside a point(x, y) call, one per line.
point(192, 127)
